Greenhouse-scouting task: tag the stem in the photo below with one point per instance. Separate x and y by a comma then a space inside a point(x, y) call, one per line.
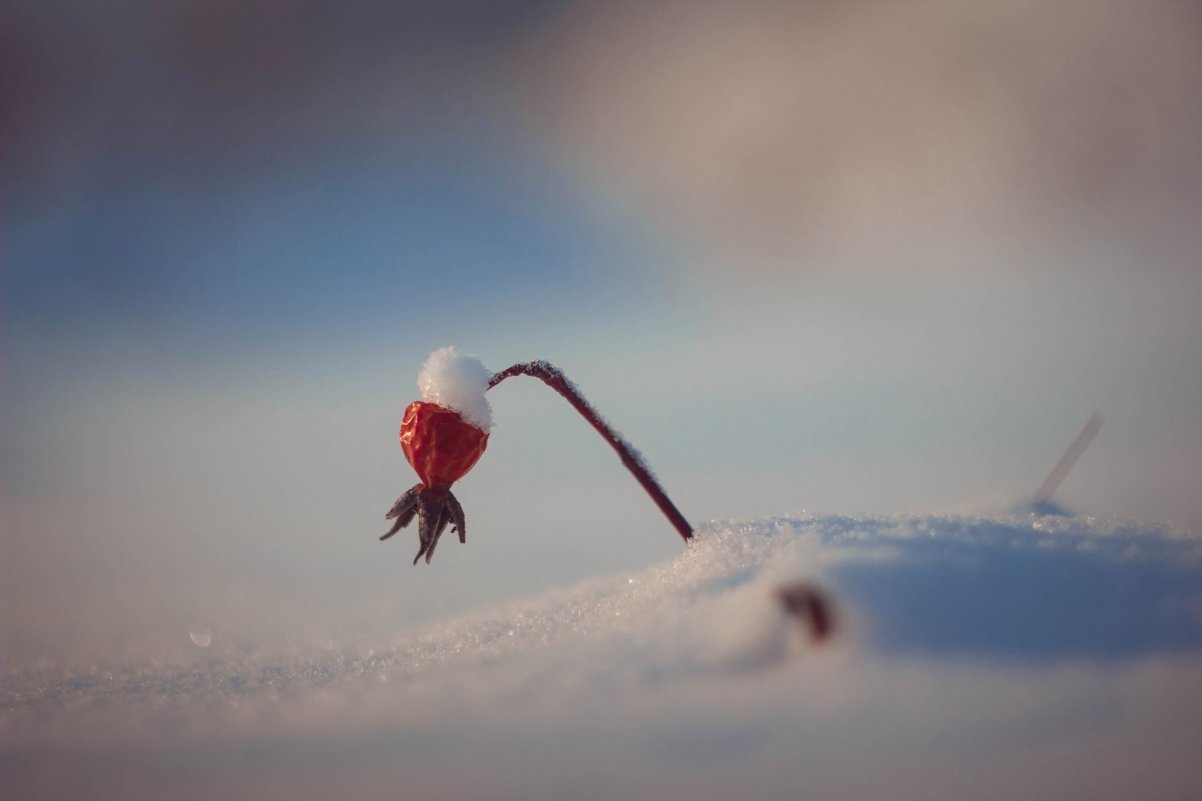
point(553, 377)
point(1050, 484)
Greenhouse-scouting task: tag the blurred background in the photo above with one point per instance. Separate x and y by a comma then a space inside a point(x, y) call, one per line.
point(864, 258)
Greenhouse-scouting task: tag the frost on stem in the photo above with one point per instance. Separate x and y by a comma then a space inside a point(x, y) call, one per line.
point(553, 377)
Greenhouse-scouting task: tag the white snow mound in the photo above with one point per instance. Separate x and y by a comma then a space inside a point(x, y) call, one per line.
point(965, 649)
point(457, 383)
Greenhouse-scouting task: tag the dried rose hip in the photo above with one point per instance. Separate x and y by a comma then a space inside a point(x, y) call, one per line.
point(441, 445)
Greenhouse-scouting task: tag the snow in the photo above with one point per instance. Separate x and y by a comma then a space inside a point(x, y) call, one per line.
point(457, 383)
point(982, 657)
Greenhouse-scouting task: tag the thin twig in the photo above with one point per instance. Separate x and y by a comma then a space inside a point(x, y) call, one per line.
point(1050, 484)
point(554, 378)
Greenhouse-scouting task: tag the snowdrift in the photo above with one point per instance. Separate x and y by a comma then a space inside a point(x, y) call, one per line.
point(966, 649)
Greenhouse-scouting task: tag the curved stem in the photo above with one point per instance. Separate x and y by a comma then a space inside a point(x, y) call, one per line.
point(553, 377)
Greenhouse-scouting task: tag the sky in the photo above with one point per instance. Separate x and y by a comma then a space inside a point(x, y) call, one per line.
point(879, 258)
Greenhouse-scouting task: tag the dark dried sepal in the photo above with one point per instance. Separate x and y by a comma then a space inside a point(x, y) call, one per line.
point(435, 508)
point(403, 510)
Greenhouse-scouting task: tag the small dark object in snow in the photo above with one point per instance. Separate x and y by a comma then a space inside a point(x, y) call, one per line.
point(810, 606)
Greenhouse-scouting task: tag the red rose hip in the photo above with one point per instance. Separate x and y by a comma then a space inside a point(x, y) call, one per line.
point(440, 445)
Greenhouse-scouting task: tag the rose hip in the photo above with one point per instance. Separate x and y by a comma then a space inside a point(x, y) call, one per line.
point(440, 445)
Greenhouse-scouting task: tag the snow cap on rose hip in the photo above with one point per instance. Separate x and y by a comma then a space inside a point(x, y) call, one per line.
point(443, 435)
point(458, 383)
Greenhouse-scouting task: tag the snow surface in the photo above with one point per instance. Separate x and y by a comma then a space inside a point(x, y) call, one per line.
point(986, 658)
point(457, 383)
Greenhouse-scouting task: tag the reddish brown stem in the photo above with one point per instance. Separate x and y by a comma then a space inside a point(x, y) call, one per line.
point(554, 378)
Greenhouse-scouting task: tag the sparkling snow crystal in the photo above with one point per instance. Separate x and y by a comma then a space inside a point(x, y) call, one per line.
point(457, 383)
